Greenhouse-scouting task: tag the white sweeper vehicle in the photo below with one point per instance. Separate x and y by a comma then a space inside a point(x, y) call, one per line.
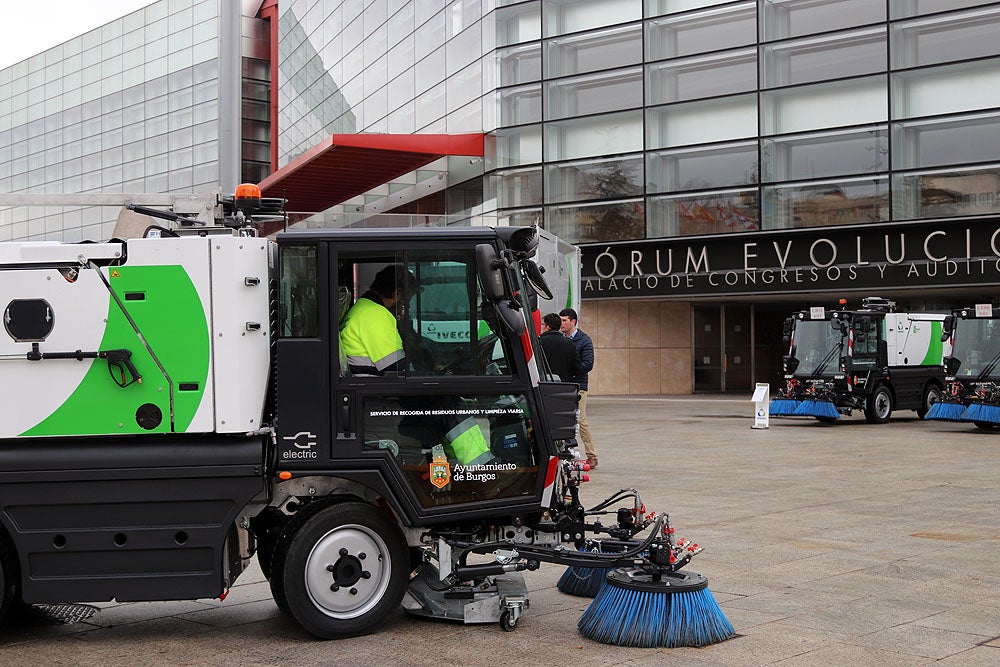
point(872, 359)
point(175, 401)
point(972, 355)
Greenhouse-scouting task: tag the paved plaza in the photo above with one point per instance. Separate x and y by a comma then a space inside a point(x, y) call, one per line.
point(824, 544)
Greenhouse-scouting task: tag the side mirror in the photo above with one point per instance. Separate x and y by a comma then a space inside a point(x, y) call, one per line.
point(790, 363)
point(948, 327)
point(533, 274)
point(489, 266)
point(510, 315)
point(951, 365)
point(786, 330)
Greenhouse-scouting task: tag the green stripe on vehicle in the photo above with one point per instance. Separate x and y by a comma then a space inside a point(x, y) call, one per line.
point(172, 320)
point(935, 348)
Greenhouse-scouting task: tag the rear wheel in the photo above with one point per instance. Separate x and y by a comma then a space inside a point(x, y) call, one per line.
point(343, 570)
point(932, 394)
point(878, 408)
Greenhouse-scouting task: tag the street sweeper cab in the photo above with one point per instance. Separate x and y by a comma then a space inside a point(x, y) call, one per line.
point(185, 396)
point(972, 377)
point(872, 359)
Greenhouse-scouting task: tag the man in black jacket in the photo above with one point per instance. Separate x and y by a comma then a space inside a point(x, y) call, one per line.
point(560, 351)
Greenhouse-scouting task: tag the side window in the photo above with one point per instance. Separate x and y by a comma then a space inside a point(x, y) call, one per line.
point(456, 449)
point(419, 313)
point(865, 351)
point(298, 304)
point(452, 336)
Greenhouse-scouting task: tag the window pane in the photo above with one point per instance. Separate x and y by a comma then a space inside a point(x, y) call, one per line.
point(702, 167)
point(852, 102)
point(607, 221)
point(522, 23)
point(495, 457)
point(826, 154)
point(612, 134)
point(709, 30)
point(298, 299)
point(520, 105)
point(704, 213)
point(518, 146)
point(594, 179)
point(564, 16)
point(945, 38)
point(841, 202)
point(594, 93)
point(946, 194)
point(904, 8)
point(520, 64)
point(705, 121)
point(927, 143)
point(657, 7)
point(701, 76)
point(946, 89)
point(826, 57)
point(521, 187)
point(793, 18)
point(616, 47)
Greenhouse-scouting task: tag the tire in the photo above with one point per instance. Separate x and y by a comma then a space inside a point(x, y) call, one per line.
point(878, 407)
point(932, 394)
point(342, 571)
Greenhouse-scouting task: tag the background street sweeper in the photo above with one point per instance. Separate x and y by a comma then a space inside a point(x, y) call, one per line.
point(177, 402)
point(972, 376)
point(871, 359)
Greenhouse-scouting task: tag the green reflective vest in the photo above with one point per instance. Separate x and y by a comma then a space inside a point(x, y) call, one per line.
point(369, 339)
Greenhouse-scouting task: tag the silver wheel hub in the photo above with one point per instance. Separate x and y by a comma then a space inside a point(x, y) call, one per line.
point(347, 571)
point(882, 404)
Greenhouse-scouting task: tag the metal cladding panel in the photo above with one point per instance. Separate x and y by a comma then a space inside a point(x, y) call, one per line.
point(191, 254)
point(30, 391)
point(241, 332)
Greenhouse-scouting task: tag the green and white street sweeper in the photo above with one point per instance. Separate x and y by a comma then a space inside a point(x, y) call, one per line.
point(971, 360)
point(872, 359)
point(177, 400)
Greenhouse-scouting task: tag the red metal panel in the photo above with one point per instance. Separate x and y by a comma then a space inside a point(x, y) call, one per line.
point(347, 165)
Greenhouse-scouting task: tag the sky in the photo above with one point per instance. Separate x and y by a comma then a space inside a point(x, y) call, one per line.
point(32, 26)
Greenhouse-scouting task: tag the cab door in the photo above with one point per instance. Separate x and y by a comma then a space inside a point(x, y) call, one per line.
point(454, 425)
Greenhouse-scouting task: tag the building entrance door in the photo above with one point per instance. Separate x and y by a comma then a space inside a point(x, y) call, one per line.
point(723, 347)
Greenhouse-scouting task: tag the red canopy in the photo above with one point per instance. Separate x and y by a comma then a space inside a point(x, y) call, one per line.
point(347, 165)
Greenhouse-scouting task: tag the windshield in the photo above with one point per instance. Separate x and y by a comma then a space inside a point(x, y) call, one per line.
point(817, 347)
point(977, 346)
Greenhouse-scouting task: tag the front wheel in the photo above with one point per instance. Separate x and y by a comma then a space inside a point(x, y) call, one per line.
point(932, 394)
point(343, 571)
point(878, 408)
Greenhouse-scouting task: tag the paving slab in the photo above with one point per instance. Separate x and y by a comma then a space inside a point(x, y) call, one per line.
point(847, 543)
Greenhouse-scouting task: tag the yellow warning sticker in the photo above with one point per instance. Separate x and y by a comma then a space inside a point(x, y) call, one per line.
point(115, 274)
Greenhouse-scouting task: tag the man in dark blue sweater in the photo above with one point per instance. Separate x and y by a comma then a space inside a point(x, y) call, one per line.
point(586, 349)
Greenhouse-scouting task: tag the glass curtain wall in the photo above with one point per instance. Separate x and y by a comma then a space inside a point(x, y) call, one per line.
point(132, 106)
point(630, 119)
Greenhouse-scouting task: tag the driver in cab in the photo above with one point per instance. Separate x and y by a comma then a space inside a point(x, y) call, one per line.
point(371, 342)
point(369, 336)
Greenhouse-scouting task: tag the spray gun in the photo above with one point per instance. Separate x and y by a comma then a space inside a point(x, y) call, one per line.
point(123, 372)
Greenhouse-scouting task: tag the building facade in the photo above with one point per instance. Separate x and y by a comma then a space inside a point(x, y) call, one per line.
point(719, 163)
